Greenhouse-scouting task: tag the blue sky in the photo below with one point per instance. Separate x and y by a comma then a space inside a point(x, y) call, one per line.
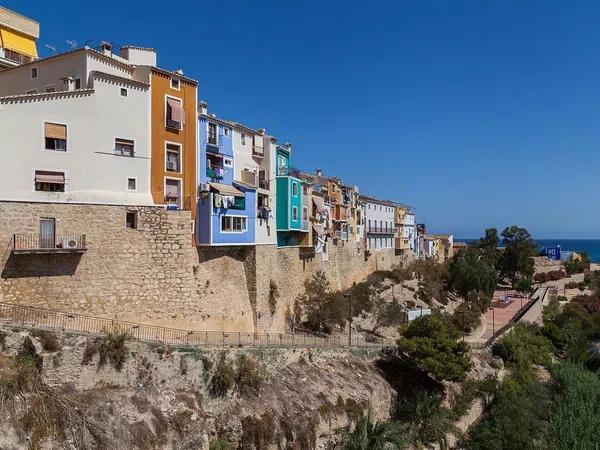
point(477, 113)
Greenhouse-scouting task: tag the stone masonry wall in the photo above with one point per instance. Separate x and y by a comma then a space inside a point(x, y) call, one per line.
point(153, 274)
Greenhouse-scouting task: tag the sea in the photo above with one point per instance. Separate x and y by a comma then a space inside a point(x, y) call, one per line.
point(589, 246)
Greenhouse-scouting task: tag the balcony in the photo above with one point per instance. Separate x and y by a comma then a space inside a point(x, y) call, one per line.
point(32, 243)
point(340, 235)
point(259, 152)
point(381, 230)
point(214, 172)
point(286, 171)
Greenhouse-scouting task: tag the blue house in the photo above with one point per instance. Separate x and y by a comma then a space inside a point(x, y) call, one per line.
point(226, 212)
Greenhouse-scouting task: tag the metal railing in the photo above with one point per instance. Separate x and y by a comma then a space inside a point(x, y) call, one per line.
point(79, 323)
point(289, 171)
point(382, 230)
point(48, 243)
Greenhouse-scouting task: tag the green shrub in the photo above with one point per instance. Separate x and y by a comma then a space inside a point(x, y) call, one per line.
point(524, 345)
point(49, 340)
point(369, 434)
point(430, 343)
point(466, 318)
point(273, 296)
point(223, 378)
point(249, 374)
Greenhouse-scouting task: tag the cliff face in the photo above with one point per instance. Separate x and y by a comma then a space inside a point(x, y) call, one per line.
point(71, 391)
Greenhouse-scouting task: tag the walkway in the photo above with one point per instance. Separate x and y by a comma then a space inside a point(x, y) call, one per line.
point(83, 324)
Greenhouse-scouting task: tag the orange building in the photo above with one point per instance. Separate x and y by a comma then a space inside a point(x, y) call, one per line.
point(173, 140)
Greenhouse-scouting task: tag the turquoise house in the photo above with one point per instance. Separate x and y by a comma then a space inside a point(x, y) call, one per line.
point(292, 195)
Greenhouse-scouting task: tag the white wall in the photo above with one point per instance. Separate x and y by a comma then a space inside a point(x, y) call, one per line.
point(93, 173)
point(242, 154)
point(379, 215)
point(266, 232)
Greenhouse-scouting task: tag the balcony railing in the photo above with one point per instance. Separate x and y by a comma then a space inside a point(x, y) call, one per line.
point(381, 230)
point(24, 243)
point(341, 235)
point(288, 171)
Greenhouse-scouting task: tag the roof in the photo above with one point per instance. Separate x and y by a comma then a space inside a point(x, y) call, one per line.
point(215, 119)
point(370, 199)
point(174, 74)
point(136, 47)
point(110, 76)
point(44, 95)
point(244, 185)
point(226, 189)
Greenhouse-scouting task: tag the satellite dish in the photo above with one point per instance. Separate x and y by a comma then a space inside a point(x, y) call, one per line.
point(50, 47)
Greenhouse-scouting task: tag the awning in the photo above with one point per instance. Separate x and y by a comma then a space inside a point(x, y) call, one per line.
point(49, 177)
point(226, 189)
point(176, 109)
point(319, 229)
point(18, 43)
point(319, 203)
point(55, 131)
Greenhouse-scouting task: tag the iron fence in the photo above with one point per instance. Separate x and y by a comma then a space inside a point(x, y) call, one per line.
point(84, 324)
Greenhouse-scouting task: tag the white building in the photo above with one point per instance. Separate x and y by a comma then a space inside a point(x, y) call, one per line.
point(409, 230)
point(380, 228)
point(75, 128)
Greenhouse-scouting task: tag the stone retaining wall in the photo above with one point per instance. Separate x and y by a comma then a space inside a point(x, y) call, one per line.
point(153, 274)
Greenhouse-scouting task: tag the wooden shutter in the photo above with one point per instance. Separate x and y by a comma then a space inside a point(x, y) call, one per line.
point(55, 131)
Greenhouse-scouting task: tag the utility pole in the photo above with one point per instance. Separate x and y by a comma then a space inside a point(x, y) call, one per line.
point(349, 297)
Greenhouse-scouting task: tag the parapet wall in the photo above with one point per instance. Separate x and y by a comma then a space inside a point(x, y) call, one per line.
point(153, 274)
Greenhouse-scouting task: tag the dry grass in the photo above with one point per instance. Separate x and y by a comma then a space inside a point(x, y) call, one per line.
point(110, 348)
point(50, 342)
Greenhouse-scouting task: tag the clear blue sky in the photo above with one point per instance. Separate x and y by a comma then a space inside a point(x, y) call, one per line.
point(478, 113)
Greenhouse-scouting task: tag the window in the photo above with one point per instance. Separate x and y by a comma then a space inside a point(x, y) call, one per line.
point(55, 137)
point(175, 83)
point(51, 88)
point(295, 189)
point(305, 190)
point(294, 213)
point(227, 162)
point(304, 213)
point(124, 92)
point(78, 83)
point(124, 147)
point(131, 220)
point(173, 193)
point(243, 137)
point(212, 133)
point(34, 72)
point(233, 224)
point(49, 181)
point(32, 91)
point(131, 184)
point(173, 158)
point(226, 131)
point(174, 113)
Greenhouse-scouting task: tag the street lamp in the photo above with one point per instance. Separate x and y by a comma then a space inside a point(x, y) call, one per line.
point(348, 296)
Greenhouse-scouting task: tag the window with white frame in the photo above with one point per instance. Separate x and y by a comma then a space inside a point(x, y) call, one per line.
point(243, 138)
point(233, 224)
point(55, 136)
point(124, 147)
point(174, 113)
point(226, 131)
point(173, 158)
point(212, 133)
point(227, 162)
point(175, 83)
point(294, 189)
point(131, 184)
point(294, 213)
point(304, 213)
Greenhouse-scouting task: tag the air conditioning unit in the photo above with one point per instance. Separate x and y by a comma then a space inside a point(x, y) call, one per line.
point(204, 187)
point(69, 243)
point(172, 165)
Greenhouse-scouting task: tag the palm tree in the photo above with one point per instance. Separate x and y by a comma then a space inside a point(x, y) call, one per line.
point(432, 423)
point(370, 434)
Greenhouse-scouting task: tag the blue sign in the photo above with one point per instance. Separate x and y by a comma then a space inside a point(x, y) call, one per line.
point(552, 253)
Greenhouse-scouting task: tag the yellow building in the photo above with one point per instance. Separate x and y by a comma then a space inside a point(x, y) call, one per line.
point(18, 36)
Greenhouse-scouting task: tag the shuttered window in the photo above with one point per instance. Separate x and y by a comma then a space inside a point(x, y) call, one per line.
point(124, 147)
point(55, 137)
point(49, 181)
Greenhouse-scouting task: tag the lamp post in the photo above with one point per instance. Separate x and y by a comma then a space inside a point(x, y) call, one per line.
point(349, 297)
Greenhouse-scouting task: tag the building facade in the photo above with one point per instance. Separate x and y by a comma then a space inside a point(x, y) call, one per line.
point(226, 212)
point(291, 201)
point(18, 37)
point(380, 223)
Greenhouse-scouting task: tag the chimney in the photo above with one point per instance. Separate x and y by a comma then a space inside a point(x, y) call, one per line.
point(106, 48)
point(203, 107)
point(319, 172)
point(288, 146)
point(262, 131)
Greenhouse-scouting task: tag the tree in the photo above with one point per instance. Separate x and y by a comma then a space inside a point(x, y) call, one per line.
point(489, 247)
point(524, 285)
point(370, 434)
point(470, 271)
point(519, 250)
point(430, 343)
point(314, 300)
point(466, 318)
point(388, 314)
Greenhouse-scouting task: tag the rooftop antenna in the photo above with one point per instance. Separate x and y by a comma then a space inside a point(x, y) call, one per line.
point(50, 47)
point(71, 43)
